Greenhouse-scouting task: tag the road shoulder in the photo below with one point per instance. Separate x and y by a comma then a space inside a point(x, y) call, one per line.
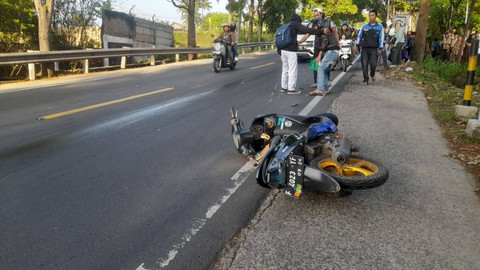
point(424, 217)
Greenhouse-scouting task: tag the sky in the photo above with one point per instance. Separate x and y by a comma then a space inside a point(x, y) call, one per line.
point(162, 9)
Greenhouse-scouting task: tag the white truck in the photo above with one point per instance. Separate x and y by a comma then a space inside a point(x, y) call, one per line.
point(305, 50)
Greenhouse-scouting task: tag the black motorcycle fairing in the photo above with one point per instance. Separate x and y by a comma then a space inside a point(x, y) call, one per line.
point(272, 171)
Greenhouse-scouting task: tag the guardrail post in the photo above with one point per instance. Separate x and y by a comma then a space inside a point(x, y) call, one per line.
point(243, 50)
point(56, 66)
point(152, 57)
point(123, 63)
point(31, 69)
point(272, 47)
point(86, 64)
point(177, 57)
point(472, 65)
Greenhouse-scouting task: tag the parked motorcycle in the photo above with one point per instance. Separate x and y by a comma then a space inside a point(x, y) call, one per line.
point(296, 151)
point(345, 53)
point(223, 55)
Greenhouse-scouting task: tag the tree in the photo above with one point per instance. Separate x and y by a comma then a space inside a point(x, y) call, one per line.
point(44, 12)
point(260, 19)
point(204, 5)
point(466, 31)
point(418, 50)
point(278, 12)
point(72, 20)
point(251, 12)
point(189, 6)
point(213, 22)
point(18, 23)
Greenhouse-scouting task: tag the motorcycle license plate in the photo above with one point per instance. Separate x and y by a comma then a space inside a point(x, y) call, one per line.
point(294, 176)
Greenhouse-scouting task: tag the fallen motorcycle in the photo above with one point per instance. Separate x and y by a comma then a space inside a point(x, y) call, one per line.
point(295, 152)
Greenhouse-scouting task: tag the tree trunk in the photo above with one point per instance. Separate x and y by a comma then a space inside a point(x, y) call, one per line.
point(466, 32)
point(251, 11)
point(191, 28)
point(44, 12)
point(260, 20)
point(230, 16)
point(449, 16)
point(418, 50)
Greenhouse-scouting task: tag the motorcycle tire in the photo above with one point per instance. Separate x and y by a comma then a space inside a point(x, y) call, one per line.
point(359, 173)
point(232, 67)
point(332, 117)
point(217, 65)
point(345, 65)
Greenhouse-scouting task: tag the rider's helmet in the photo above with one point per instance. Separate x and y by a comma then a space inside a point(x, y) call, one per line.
point(344, 23)
point(225, 25)
point(233, 26)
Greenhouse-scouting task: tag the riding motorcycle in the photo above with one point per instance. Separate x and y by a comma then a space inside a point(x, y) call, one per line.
point(345, 53)
point(295, 152)
point(223, 55)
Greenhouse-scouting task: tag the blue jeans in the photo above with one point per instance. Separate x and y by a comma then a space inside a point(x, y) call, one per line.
point(235, 52)
point(324, 69)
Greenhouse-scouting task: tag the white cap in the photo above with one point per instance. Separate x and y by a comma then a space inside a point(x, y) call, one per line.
point(318, 9)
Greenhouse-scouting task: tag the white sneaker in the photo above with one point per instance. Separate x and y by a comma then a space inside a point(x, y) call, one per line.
point(293, 92)
point(236, 59)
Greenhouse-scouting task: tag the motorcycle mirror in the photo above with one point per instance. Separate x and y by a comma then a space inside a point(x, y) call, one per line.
point(212, 35)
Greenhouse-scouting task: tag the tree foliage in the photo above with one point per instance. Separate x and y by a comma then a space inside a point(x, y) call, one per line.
point(213, 22)
point(278, 12)
point(18, 22)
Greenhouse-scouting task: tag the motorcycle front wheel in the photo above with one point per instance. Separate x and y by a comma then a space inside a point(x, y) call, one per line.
point(232, 67)
point(344, 65)
point(217, 65)
point(359, 173)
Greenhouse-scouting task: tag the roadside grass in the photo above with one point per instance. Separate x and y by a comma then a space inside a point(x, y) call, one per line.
point(442, 95)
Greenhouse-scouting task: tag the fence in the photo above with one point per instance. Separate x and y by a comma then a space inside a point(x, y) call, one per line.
point(32, 58)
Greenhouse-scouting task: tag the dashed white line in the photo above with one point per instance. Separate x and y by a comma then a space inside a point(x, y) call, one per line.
point(238, 178)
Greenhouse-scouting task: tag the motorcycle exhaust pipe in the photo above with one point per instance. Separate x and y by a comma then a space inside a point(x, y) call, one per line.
point(341, 153)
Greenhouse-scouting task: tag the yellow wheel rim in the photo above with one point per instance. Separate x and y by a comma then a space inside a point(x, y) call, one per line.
point(354, 168)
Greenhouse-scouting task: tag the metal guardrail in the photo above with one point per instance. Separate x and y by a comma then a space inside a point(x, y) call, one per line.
point(58, 56)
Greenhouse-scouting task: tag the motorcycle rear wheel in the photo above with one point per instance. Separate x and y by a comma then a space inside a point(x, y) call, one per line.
point(359, 173)
point(232, 67)
point(217, 65)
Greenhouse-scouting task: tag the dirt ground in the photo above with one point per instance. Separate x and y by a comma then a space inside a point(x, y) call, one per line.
point(442, 99)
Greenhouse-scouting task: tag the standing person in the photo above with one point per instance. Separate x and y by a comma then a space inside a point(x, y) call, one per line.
point(317, 16)
point(320, 22)
point(371, 40)
point(399, 43)
point(410, 42)
point(289, 55)
point(436, 50)
point(385, 45)
point(446, 45)
point(329, 50)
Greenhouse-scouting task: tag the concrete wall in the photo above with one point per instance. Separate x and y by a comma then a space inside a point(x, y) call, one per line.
point(122, 30)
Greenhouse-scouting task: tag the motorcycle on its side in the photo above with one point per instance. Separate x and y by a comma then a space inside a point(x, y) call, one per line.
point(295, 152)
point(345, 53)
point(223, 55)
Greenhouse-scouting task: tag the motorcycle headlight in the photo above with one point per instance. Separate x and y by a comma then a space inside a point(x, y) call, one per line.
point(217, 46)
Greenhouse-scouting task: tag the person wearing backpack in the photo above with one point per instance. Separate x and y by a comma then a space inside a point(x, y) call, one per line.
point(287, 47)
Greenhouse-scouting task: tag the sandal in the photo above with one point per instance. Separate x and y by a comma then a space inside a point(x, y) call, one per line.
point(315, 93)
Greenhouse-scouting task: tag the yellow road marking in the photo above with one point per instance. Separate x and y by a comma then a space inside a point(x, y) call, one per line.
point(263, 65)
point(103, 104)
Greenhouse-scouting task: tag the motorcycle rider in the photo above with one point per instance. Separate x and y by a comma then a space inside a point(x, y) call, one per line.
point(347, 31)
point(233, 27)
point(229, 35)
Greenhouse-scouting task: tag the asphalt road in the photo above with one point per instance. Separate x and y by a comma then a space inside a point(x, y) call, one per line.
point(145, 183)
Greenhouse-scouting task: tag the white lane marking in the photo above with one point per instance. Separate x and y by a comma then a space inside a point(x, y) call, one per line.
point(238, 178)
point(317, 99)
